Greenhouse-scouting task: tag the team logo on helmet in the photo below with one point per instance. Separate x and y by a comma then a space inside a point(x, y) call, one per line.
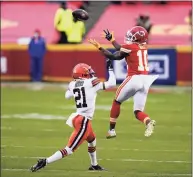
point(137, 34)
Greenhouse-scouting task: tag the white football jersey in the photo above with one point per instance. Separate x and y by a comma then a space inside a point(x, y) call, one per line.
point(84, 92)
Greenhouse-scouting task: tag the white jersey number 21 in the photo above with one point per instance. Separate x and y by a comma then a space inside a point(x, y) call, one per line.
point(80, 97)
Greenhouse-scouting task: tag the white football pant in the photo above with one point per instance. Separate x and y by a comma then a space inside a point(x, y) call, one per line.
point(136, 86)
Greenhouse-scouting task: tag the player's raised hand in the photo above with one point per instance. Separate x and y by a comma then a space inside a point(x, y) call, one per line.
point(108, 35)
point(94, 42)
point(109, 64)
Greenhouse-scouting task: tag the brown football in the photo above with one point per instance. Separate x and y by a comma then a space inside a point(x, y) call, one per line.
point(80, 14)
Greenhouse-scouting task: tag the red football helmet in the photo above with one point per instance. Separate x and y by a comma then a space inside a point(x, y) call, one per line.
point(137, 34)
point(82, 71)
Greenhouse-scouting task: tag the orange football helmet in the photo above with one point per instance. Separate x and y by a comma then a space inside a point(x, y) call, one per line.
point(82, 71)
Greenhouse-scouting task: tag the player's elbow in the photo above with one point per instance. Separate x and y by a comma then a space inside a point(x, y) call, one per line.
point(68, 95)
point(117, 56)
point(112, 57)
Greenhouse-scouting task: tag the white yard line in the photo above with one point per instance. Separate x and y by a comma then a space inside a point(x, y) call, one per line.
point(122, 160)
point(84, 173)
point(146, 160)
point(101, 107)
point(64, 86)
point(35, 116)
point(147, 150)
point(101, 148)
point(41, 116)
point(19, 157)
point(104, 139)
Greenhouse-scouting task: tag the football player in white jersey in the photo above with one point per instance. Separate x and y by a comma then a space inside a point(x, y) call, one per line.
point(84, 89)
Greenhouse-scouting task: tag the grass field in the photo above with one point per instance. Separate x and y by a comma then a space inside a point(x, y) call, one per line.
point(33, 126)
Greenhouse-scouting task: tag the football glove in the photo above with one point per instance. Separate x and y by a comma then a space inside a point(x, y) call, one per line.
point(109, 64)
point(109, 36)
point(94, 42)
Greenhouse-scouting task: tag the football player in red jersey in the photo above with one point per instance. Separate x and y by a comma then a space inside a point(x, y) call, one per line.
point(137, 82)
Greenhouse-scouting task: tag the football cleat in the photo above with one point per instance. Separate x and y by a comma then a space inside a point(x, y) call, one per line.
point(111, 134)
point(40, 164)
point(149, 128)
point(96, 167)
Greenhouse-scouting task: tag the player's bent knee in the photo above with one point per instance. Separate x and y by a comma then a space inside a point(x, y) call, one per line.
point(92, 146)
point(118, 102)
point(92, 143)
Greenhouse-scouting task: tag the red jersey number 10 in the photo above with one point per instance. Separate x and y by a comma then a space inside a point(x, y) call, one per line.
point(142, 58)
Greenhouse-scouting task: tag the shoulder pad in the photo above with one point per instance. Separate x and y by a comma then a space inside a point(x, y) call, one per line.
point(127, 48)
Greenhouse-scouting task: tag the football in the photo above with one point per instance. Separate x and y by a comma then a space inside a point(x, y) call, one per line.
point(80, 14)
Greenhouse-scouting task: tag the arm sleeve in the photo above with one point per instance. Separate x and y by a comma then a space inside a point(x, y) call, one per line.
point(108, 84)
point(111, 81)
point(68, 93)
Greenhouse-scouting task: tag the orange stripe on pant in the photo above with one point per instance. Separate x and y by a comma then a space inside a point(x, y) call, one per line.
point(82, 131)
point(121, 86)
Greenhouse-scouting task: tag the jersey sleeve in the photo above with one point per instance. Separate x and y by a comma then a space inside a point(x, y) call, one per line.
point(126, 48)
point(97, 84)
point(111, 82)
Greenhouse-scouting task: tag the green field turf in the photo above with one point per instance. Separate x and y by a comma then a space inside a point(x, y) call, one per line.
point(26, 136)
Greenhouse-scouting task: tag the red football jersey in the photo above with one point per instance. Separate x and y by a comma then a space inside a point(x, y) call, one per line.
point(137, 59)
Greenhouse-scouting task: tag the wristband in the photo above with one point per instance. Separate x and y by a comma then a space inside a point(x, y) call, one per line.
point(113, 39)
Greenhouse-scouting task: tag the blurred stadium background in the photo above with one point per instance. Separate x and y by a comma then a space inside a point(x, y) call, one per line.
point(33, 114)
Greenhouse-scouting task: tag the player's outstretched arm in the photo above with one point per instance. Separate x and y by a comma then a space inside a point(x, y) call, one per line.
point(112, 80)
point(110, 37)
point(119, 55)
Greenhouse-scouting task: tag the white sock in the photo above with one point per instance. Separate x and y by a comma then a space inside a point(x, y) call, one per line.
point(93, 158)
point(92, 155)
point(54, 157)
